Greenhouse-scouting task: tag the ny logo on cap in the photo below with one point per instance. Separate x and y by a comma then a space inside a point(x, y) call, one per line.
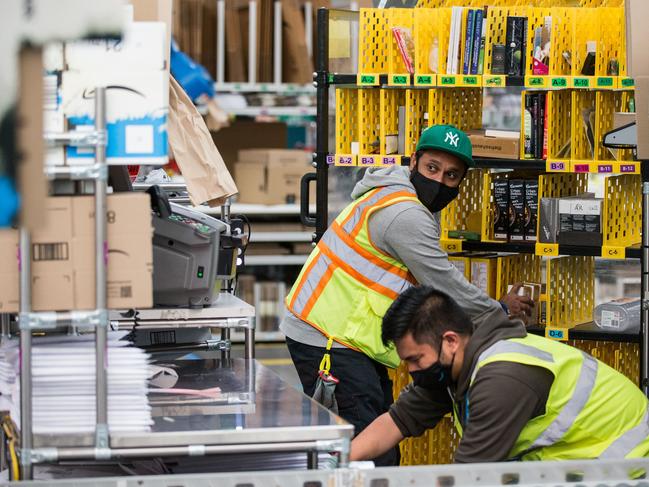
point(452, 138)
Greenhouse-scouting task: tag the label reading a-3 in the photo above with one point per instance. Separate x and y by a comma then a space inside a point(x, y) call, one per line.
point(399, 79)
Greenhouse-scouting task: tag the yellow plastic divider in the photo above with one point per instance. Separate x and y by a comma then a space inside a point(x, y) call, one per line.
point(559, 125)
point(398, 17)
point(563, 20)
point(416, 106)
point(622, 213)
point(623, 357)
point(586, 28)
point(582, 102)
point(373, 41)
point(465, 212)
point(570, 290)
point(368, 120)
point(391, 100)
point(517, 268)
point(426, 35)
point(346, 119)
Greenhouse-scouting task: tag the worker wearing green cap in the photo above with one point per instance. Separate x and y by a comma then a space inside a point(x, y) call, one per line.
point(384, 242)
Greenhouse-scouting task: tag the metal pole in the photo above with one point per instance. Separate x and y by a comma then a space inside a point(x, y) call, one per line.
point(25, 361)
point(101, 262)
point(308, 26)
point(277, 44)
point(322, 128)
point(5, 322)
point(644, 260)
point(220, 41)
point(252, 42)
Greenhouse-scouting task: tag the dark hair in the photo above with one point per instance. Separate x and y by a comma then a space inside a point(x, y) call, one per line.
point(427, 314)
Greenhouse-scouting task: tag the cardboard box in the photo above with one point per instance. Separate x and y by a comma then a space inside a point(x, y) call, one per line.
point(620, 119)
point(642, 113)
point(516, 210)
point(500, 147)
point(270, 176)
point(531, 209)
point(500, 209)
point(137, 104)
point(156, 10)
point(63, 256)
point(637, 36)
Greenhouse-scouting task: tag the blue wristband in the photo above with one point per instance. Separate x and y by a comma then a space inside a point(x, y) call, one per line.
point(505, 308)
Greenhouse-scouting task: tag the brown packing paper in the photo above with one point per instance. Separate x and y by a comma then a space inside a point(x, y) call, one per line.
point(207, 178)
point(642, 116)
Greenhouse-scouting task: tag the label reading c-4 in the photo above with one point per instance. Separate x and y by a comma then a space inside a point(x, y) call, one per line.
point(560, 334)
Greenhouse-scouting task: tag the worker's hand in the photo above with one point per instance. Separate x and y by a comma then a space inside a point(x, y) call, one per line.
point(518, 306)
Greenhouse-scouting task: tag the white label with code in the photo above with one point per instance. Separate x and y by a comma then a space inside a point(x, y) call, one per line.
point(610, 319)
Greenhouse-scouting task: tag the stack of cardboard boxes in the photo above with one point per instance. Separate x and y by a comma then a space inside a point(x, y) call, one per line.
point(270, 176)
point(637, 37)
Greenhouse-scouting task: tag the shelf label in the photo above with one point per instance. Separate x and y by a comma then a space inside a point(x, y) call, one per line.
point(605, 82)
point(345, 160)
point(628, 168)
point(560, 334)
point(367, 160)
point(605, 168)
point(613, 252)
point(557, 166)
point(367, 79)
point(389, 160)
point(547, 249)
point(425, 80)
point(331, 78)
point(451, 245)
point(581, 168)
point(559, 82)
point(447, 80)
point(627, 83)
point(398, 79)
point(494, 80)
point(536, 81)
point(331, 159)
point(470, 81)
point(581, 82)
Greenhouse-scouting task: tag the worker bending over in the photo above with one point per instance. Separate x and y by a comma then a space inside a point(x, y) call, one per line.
point(513, 396)
point(384, 242)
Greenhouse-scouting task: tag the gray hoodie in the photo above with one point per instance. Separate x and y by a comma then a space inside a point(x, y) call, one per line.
point(410, 233)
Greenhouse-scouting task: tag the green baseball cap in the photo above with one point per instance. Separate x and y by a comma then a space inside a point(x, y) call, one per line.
point(449, 139)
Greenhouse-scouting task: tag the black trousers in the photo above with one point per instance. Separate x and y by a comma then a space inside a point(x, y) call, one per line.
point(363, 393)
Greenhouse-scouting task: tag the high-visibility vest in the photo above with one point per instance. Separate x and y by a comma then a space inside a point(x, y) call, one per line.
point(592, 411)
point(347, 283)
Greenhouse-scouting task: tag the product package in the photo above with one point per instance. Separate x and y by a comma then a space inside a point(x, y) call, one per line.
point(406, 45)
point(531, 209)
point(500, 209)
point(515, 47)
point(516, 210)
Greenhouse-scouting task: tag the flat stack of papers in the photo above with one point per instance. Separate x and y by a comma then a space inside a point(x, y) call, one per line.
point(63, 378)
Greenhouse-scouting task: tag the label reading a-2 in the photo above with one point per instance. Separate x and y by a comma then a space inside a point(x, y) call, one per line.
point(559, 82)
point(368, 79)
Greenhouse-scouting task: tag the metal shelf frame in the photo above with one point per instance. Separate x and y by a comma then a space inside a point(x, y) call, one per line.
point(323, 79)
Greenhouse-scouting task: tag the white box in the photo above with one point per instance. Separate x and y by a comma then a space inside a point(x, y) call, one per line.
point(141, 49)
point(137, 104)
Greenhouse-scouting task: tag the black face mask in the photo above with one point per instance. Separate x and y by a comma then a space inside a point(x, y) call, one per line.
point(434, 377)
point(434, 195)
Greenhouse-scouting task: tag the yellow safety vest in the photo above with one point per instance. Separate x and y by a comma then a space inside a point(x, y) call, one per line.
point(592, 411)
point(347, 283)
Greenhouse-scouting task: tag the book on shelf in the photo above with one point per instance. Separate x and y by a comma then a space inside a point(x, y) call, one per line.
point(483, 38)
point(468, 40)
point(527, 127)
point(542, 44)
point(406, 45)
point(535, 126)
point(544, 152)
point(516, 41)
point(454, 40)
point(477, 36)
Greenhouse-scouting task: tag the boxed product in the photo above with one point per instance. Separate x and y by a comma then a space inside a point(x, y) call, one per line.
point(516, 210)
point(549, 220)
point(531, 209)
point(137, 103)
point(483, 274)
point(500, 209)
point(270, 176)
point(63, 256)
point(583, 224)
point(533, 291)
point(495, 143)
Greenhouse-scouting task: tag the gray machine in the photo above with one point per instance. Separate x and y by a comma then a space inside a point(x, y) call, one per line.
point(192, 254)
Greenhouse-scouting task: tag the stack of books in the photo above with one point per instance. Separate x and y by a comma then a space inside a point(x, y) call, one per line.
point(535, 126)
point(466, 45)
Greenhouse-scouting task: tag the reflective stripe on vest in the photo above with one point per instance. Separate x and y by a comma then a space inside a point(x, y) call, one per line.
point(307, 291)
point(628, 441)
point(354, 220)
point(569, 412)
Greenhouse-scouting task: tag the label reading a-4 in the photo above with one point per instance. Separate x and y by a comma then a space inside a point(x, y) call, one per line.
point(424, 80)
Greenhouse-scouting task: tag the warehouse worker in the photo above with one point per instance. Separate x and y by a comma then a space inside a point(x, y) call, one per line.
point(385, 241)
point(514, 396)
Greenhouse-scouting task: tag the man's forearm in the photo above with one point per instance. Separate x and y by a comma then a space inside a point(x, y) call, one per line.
point(381, 435)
